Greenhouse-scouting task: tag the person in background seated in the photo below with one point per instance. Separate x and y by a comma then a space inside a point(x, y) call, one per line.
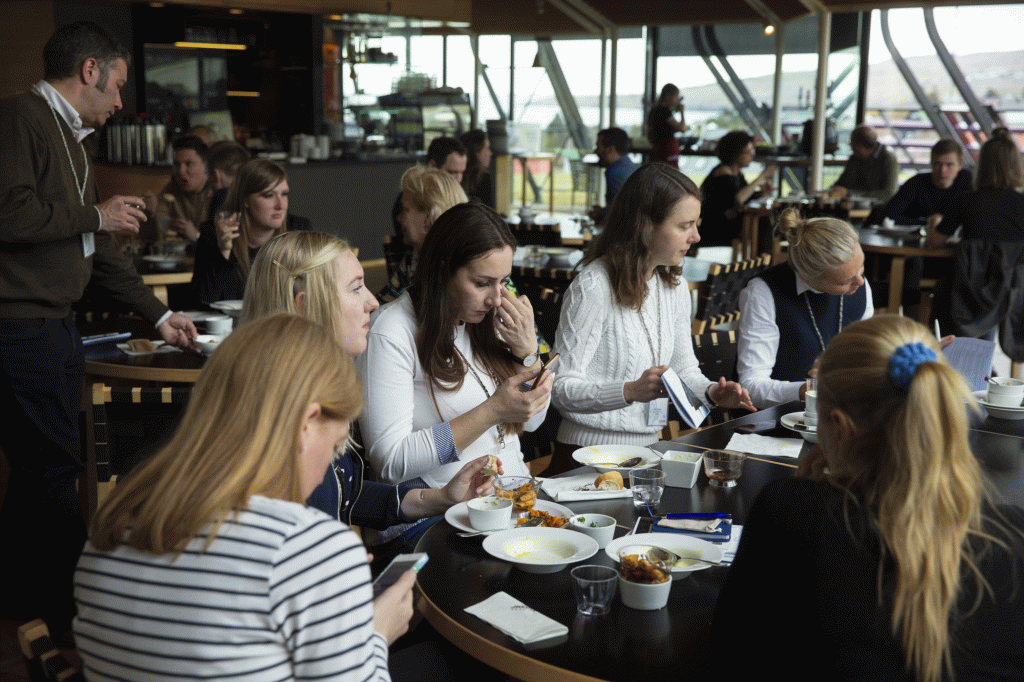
point(449, 155)
point(223, 160)
point(662, 125)
point(426, 194)
point(725, 189)
point(871, 171)
point(259, 198)
point(789, 312)
point(204, 561)
point(477, 180)
point(912, 571)
point(189, 185)
point(318, 276)
point(925, 198)
point(626, 320)
point(995, 210)
point(612, 148)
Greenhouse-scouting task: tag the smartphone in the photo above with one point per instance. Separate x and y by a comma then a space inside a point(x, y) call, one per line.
point(547, 365)
point(399, 565)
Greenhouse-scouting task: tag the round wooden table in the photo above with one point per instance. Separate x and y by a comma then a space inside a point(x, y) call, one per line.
point(106, 361)
point(900, 249)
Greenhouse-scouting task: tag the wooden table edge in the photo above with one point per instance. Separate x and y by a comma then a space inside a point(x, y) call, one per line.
point(519, 665)
point(909, 251)
point(97, 368)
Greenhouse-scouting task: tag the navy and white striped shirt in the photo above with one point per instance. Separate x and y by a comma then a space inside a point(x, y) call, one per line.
point(282, 593)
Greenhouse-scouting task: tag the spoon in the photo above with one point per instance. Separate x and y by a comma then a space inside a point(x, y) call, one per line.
point(670, 558)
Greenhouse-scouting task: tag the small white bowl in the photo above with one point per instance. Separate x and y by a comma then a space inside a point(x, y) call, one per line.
point(1005, 392)
point(601, 527)
point(490, 513)
point(645, 596)
point(219, 325)
point(209, 342)
point(681, 467)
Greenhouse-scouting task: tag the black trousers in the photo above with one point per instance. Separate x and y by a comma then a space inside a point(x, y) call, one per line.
point(41, 526)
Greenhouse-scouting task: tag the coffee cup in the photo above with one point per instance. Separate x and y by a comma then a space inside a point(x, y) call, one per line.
point(811, 408)
point(218, 324)
point(1005, 392)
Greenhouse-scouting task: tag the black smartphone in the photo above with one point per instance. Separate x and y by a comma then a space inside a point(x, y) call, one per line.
point(399, 565)
point(547, 365)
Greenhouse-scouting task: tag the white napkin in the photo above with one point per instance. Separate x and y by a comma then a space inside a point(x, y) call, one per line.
point(700, 525)
point(755, 444)
point(516, 619)
point(729, 548)
point(158, 347)
point(564, 489)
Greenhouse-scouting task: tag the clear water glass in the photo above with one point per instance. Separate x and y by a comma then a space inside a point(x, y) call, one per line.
point(594, 586)
point(647, 486)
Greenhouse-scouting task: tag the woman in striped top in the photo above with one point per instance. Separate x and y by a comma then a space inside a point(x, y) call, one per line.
point(205, 563)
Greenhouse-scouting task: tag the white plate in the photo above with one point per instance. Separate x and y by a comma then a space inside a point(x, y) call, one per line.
point(681, 544)
point(604, 458)
point(791, 421)
point(232, 307)
point(999, 411)
point(458, 515)
point(540, 550)
point(898, 230)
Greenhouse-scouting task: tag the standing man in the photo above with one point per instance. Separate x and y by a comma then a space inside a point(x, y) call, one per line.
point(449, 155)
point(871, 170)
point(55, 238)
point(611, 148)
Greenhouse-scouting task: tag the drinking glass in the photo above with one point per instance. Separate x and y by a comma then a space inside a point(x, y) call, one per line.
point(594, 587)
point(647, 486)
point(723, 467)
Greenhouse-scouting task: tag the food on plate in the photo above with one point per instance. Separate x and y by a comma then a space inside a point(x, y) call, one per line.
point(491, 468)
point(609, 481)
point(549, 520)
point(141, 346)
point(631, 462)
point(638, 570)
point(523, 498)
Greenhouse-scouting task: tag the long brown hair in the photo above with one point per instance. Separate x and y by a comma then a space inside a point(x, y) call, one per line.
point(474, 140)
point(910, 465)
point(645, 200)
point(1000, 165)
point(255, 176)
point(239, 436)
point(461, 234)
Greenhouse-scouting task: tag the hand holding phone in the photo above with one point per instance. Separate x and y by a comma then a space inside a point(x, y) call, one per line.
point(547, 366)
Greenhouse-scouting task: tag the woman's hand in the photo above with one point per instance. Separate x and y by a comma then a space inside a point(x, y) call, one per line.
point(470, 482)
point(730, 395)
point(511, 404)
point(185, 228)
point(647, 388)
point(513, 323)
point(392, 610)
point(227, 232)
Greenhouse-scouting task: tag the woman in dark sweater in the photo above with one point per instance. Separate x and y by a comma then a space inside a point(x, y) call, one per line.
point(892, 564)
point(477, 180)
point(662, 125)
point(725, 189)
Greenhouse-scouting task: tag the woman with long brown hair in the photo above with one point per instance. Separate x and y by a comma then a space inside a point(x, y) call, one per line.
point(888, 560)
point(445, 362)
point(254, 212)
point(477, 180)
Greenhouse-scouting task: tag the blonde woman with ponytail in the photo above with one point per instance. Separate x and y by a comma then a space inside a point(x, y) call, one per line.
point(789, 313)
point(888, 561)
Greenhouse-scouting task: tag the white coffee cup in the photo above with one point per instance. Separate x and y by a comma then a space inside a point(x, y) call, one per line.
point(1005, 392)
point(811, 408)
point(218, 324)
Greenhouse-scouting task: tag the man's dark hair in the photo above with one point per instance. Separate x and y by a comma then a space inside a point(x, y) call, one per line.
point(943, 147)
point(191, 142)
point(731, 145)
point(71, 45)
point(865, 137)
point(615, 137)
point(226, 156)
point(441, 147)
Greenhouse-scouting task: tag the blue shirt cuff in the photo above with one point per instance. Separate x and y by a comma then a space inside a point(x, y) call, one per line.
point(444, 441)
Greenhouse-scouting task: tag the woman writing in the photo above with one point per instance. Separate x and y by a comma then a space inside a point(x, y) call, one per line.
point(445, 363)
point(790, 312)
point(477, 180)
point(908, 570)
point(662, 125)
point(206, 563)
point(426, 194)
point(626, 319)
point(255, 210)
point(726, 190)
point(318, 276)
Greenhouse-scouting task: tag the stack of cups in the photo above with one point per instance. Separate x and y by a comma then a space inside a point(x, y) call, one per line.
point(811, 403)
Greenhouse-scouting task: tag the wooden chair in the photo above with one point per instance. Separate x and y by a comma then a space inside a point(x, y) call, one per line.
point(43, 658)
point(547, 308)
point(718, 297)
point(717, 353)
point(556, 279)
point(529, 234)
point(117, 439)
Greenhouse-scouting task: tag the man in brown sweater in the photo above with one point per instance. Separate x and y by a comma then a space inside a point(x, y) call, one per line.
point(55, 238)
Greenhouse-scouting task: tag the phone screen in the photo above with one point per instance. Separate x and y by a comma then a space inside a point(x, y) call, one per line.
point(399, 565)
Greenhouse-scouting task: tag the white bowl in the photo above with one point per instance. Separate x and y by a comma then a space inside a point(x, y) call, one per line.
point(998, 411)
point(645, 596)
point(209, 342)
point(1005, 392)
point(795, 421)
point(605, 458)
point(601, 527)
point(540, 550)
point(219, 324)
point(489, 513)
point(560, 255)
point(684, 545)
point(681, 467)
point(232, 307)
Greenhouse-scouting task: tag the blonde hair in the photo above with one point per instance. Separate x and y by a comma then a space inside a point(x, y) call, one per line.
point(255, 176)
point(291, 263)
point(239, 436)
point(432, 191)
point(910, 465)
point(817, 246)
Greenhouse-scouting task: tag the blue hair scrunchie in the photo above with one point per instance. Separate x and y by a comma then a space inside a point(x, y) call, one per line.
point(904, 362)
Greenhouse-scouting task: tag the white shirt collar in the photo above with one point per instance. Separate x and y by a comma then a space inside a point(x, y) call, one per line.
point(63, 109)
point(802, 286)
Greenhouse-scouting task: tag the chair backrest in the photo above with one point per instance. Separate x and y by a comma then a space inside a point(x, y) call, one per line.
point(716, 354)
point(719, 295)
point(547, 308)
point(118, 438)
point(44, 660)
point(529, 234)
point(556, 279)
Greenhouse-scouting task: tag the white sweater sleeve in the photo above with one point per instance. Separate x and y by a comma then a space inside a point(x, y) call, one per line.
point(580, 335)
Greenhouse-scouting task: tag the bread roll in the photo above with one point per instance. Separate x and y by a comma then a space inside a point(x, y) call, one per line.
point(491, 468)
point(609, 481)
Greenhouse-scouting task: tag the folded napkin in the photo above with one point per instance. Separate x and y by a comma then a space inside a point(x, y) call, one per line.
point(565, 489)
point(729, 548)
point(754, 444)
point(158, 347)
point(516, 619)
point(697, 525)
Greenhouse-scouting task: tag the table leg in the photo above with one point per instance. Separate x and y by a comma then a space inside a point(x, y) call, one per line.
point(896, 284)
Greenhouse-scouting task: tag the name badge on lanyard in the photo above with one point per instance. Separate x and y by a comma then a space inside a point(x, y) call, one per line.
point(657, 412)
point(88, 244)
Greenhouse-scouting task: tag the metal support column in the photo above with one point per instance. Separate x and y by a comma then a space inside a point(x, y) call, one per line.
point(612, 90)
point(780, 50)
point(978, 110)
point(600, 94)
point(821, 85)
point(573, 121)
point(481, 72)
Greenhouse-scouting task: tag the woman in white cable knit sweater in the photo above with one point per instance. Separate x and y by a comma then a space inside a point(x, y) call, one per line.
point(626, 319)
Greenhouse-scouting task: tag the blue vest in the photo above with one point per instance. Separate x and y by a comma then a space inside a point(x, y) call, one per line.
point(798, 342)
